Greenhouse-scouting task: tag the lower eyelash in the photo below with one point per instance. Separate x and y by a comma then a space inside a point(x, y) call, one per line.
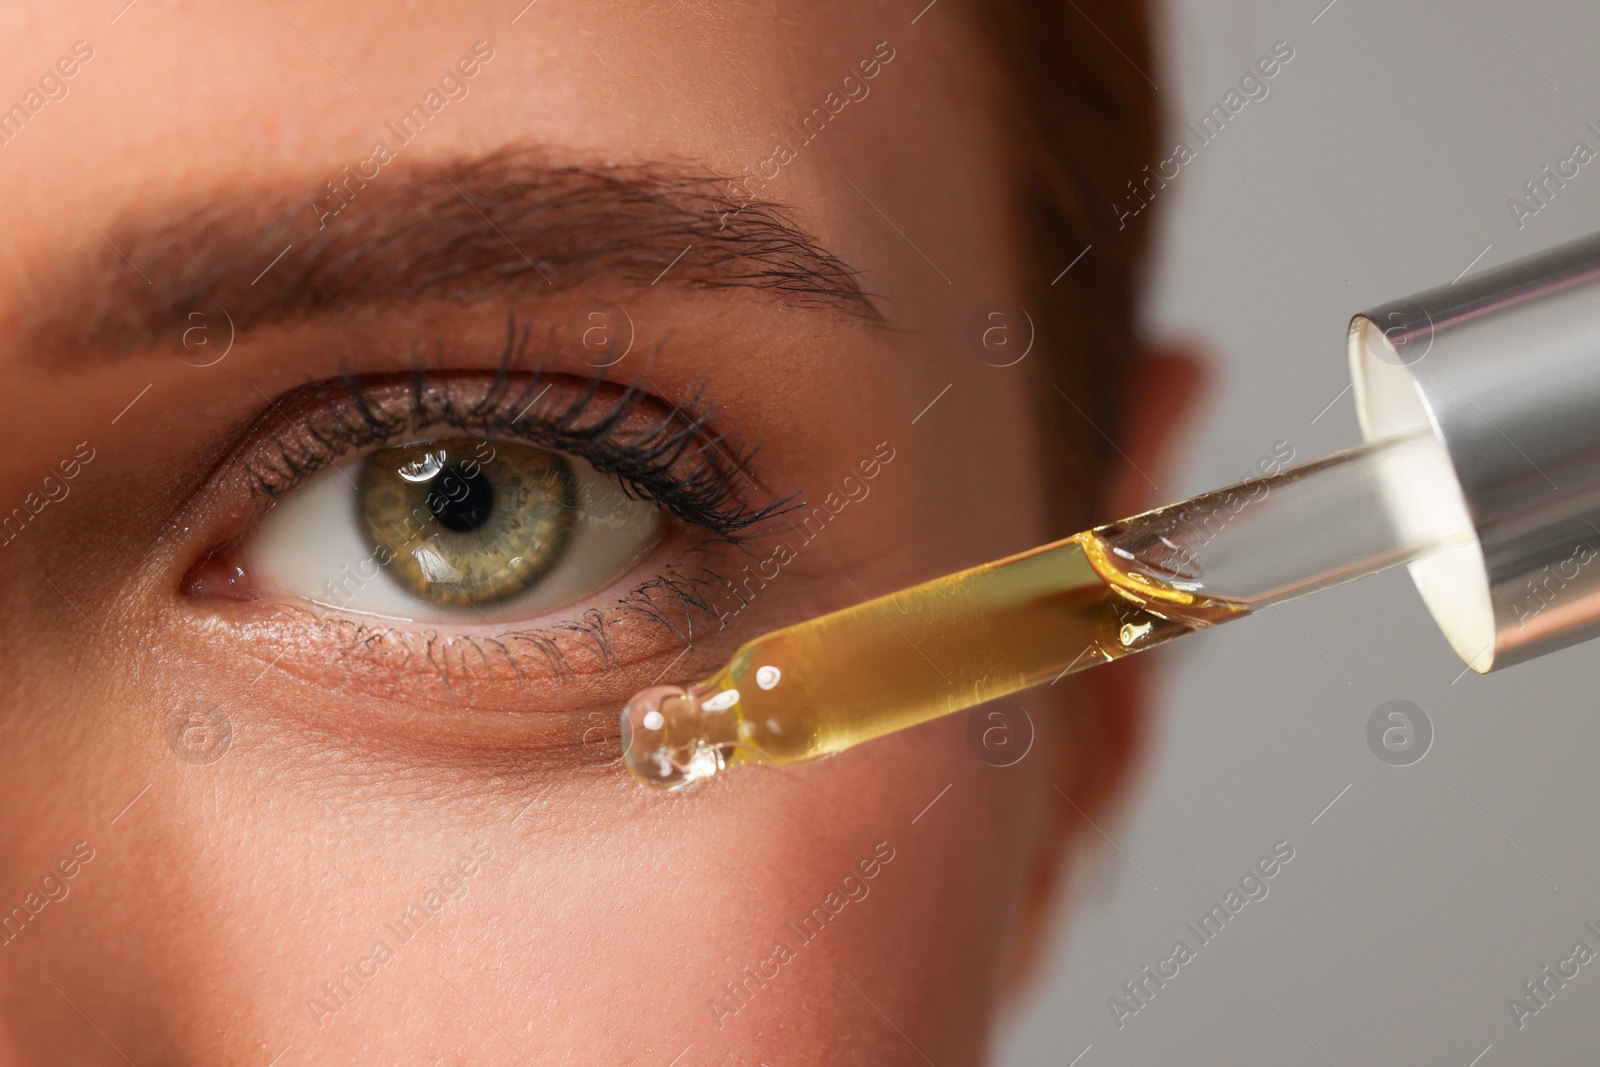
point(679, 584)
point(673, 600)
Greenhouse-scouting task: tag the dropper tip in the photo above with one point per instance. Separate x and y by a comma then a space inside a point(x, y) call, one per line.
point(663, 743)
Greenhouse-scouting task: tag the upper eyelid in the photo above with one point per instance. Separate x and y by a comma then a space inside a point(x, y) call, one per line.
point(659, 452)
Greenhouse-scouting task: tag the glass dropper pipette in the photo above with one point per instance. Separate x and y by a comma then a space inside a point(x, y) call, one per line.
point(1480, 403)
point(832, 682)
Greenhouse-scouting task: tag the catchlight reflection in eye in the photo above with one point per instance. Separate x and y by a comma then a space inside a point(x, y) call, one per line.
point(452, 530)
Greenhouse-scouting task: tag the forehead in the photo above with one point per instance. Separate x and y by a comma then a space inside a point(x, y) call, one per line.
point(184, 96)
point(874, 129)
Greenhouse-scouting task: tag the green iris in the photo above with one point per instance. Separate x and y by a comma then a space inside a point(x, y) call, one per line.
point(466, 522)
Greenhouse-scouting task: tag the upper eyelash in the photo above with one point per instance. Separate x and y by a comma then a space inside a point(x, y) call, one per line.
point(675, 460)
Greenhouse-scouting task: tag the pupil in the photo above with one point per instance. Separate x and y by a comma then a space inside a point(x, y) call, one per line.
point(461, 500)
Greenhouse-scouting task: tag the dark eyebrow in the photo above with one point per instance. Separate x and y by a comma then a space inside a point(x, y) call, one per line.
point(511, 221)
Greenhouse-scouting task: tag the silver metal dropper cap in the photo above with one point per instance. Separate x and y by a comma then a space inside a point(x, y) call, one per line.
point(1505, 369)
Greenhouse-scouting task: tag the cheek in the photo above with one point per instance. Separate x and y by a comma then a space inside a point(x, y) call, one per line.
point(672, 906)
point(710, 885)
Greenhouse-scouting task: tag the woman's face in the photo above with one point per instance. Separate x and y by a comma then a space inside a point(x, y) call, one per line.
point(269, 801)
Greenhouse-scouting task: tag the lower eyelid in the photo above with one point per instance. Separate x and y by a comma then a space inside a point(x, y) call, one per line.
point(561, 666)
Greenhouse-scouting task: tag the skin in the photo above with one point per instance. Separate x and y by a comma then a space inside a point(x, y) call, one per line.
point(605, 920)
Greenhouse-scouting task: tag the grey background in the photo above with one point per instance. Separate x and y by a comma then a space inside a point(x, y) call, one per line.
point(1379, 164)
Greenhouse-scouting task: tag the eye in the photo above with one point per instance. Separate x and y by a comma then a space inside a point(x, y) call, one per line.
point(451, 530)
point(509, 505)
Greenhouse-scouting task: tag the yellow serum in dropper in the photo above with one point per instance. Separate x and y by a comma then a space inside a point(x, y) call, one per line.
point(829, 683)
point(832, 682)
